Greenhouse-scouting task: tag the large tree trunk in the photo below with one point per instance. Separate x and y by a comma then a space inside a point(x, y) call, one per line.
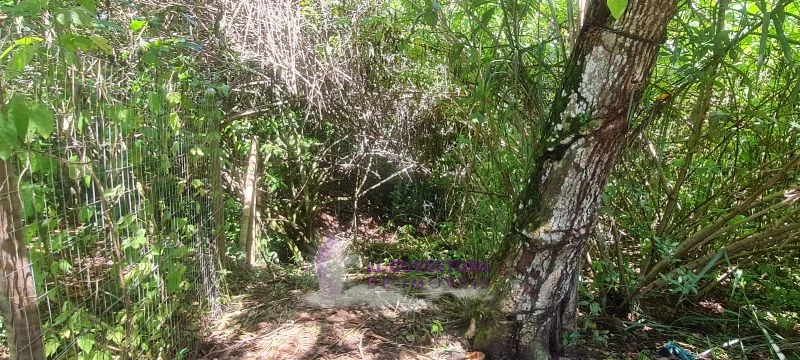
point(536, 280)
point(17, 289)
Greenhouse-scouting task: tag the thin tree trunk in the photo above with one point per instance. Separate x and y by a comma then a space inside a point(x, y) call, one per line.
point(220, 252)
point(536, 281)
point(249, 232)
point(17, 289)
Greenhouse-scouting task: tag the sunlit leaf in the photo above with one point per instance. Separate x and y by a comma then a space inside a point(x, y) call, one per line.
point(174, 98)
point(28, 40)
point(86, 342)
point(137, 25)
point(20, 58)
point(617, 7)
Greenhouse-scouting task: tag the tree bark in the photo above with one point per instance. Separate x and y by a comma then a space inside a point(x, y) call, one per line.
point(17, 289)
point(535, 282)
point(221, 248)
point(249, 233)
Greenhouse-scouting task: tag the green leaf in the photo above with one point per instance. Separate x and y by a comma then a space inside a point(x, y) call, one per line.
point(30, 8)
point(617, 7)
point(225, 90)
point(61, 266)
point(154, 101)
point(454, 56)
point(174, 122)
point(51, 346)
point(174, 98)
point(86, 214)
point(28, 40)
point(42, 120)
point(487, 16)
point(76, 42)
point(137, 25)
point(80, 17)
point(8, 138)
point(20, 59)
point(86, 342)
point(19, 115)
point(7, 51)
point(102, 44)
point(116, 335)
point(89, 5)
point(430, 17)
point(196, 151)
point(137, 241)
point(104, 355)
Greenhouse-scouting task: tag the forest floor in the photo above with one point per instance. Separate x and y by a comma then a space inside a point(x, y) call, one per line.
point(277, 313)
point(273, 319)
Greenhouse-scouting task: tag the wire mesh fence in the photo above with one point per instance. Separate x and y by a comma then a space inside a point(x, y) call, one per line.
point(109, 223)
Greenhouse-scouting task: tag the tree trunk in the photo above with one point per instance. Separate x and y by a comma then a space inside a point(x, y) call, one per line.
point(536, 279)
point(17, 289)
point(221, 250)
point(249, 233)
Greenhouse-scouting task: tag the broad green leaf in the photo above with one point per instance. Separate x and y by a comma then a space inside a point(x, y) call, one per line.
point(154, 102)
point(8, 138)
point(20, 59)
point(80, 17)
point(225, 90)
point(76, 42)
point(28, 40)
point(430, 17)
point(116, 335)
point(137, 241)
point(174, 98)
point(19, 115)
point(31, 8)
point(617, 7)
point(137, 25)
point(102, 44)
point(51, 346)
point(454, 56)
point(196, 151)
point(122, 115)
point(86, 342)
point(174, 121)
point(41, 120)
point(102, 355)
point(89, 5)
point(86, 214)
point(487, 16)
point(61, 266)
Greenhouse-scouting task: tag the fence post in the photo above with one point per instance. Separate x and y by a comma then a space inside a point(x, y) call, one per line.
point(249, 235)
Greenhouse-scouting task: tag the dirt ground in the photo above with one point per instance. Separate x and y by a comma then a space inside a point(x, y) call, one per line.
point(273, 319)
